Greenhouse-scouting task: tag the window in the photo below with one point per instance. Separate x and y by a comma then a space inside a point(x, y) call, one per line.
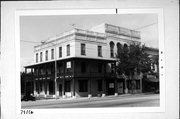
point(46, 55)
point(99, 51)
point(100, 67)
point(112, 49)
point(83, 85)
point(60, 51)
point(125, 48)
point(83, 67)
point(68, 50)
point(52, 53)
point(83, 49)
point(40, 56)
point(119, 48)
point(99, 85)
point(36, 57)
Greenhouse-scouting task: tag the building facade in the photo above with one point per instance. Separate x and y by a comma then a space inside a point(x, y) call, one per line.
point(81, 63)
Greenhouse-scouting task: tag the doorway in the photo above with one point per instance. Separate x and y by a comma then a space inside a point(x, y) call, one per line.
point(68, 88)
point(51, 87)
point(120, 87)
point(60, 89)
point(110, 87)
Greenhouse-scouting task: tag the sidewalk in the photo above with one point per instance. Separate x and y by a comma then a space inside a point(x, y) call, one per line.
point(71, 99)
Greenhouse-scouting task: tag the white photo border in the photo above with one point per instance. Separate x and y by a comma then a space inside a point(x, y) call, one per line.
point(59, 111)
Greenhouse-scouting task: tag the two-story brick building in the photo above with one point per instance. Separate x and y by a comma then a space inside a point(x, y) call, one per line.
point(80, 63)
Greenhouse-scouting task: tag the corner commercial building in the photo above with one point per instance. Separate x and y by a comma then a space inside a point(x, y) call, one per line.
point(81, 63)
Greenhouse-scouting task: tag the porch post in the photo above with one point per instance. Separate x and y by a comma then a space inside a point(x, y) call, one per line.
point(38, 80)
point(45, 83)
point(115, 86)
point(74, 79)
point(47, 88)
point(115, 82)
point(89, 87)
point(63, 84)
point(104, 81)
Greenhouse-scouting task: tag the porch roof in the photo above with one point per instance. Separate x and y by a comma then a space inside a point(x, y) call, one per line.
point(71, 58)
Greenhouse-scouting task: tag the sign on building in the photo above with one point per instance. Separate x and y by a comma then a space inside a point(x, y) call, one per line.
point(68, 64)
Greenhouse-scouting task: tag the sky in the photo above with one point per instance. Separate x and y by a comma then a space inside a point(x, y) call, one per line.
point(34, 29)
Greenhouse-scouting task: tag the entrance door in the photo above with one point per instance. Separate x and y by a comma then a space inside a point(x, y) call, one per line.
point(120, 87)
point(110, 88)
point(60, 89)
point(51, 87)
point(68, 88)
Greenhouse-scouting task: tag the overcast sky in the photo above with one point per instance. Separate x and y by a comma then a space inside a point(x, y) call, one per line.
point(39, 28)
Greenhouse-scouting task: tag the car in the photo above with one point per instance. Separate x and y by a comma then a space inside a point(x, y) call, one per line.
point(28, 97)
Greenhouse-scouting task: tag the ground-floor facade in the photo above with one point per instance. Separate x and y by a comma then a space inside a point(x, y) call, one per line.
point(82, 87)
point(82, 78)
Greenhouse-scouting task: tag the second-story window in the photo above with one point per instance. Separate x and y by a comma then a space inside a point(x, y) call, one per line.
point(36, 57)
point(41, 56)
point(99, 51)
point(46, 55)
point(112, 49)
point(60, 51)
point(52, 53)
point(83, 49)
point(68, 50)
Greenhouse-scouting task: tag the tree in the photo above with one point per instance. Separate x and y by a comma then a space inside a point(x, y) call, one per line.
point(133, 59)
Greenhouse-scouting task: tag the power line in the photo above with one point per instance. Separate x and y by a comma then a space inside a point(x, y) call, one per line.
point(74, 25)
point(29, 41)
point(146, 26)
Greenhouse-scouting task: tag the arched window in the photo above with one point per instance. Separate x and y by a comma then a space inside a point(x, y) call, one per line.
point(111, 49)
point(119, 47)
point(125, 48)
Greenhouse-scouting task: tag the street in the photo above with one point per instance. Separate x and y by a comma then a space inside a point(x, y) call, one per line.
point(129, 100)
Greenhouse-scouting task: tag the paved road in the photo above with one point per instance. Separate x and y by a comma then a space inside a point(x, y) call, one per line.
point(135, 100)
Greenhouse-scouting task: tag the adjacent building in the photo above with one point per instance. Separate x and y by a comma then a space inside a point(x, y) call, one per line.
point(81, 63)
